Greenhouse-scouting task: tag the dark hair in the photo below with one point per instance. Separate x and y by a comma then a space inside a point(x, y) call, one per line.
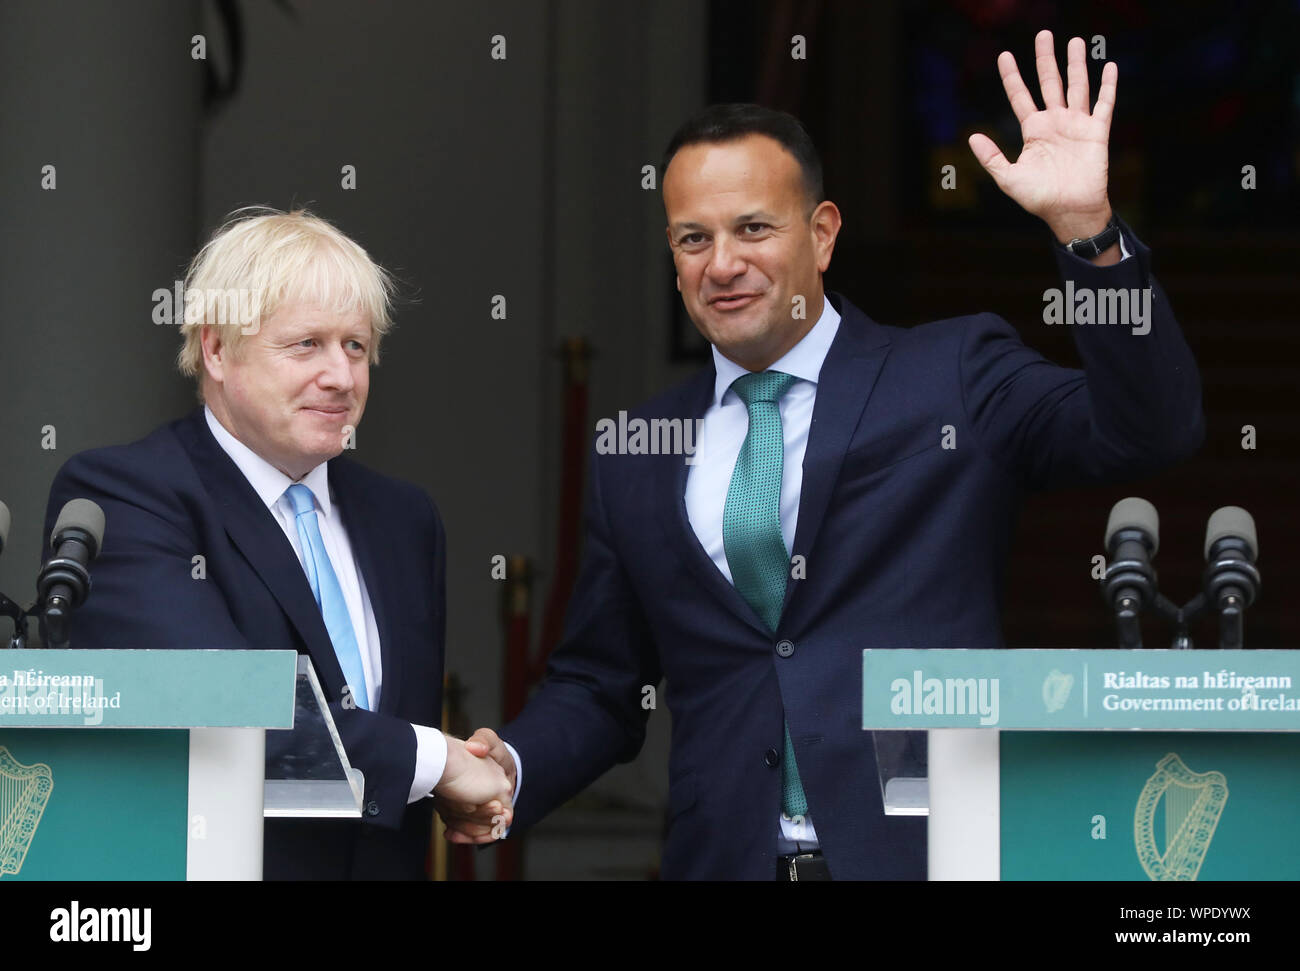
point(726, 123)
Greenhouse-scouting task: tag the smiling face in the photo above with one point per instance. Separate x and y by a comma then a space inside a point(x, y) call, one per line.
point(746, 245)
point(289, 391)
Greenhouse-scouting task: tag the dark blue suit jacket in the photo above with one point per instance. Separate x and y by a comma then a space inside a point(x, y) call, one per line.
point(177, 494)
point(905, 543)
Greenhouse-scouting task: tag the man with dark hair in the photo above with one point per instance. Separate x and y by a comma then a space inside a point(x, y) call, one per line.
point(824, 510)
point(724, 123)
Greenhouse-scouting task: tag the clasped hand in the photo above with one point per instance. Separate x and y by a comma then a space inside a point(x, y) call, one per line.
point(475, 795)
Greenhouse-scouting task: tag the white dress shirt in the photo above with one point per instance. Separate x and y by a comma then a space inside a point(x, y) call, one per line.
point(270, 484)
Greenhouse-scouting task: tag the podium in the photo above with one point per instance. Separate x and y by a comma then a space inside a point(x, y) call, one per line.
point(1100, 765)
point(157, 764)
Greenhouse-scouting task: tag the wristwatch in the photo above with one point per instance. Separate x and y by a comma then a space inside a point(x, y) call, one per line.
point(1094, 246)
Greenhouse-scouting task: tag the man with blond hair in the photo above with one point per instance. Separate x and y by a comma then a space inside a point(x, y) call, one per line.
point(302, 549)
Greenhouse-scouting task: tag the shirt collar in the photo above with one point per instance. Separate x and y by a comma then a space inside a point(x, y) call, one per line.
point(267, 481)
point(804, 360)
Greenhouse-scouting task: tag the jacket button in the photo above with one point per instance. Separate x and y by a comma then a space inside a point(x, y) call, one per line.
point(772, 758)
point(784, 648)
point(372, 808)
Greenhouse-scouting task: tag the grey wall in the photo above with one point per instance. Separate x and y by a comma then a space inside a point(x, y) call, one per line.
point(108, 95)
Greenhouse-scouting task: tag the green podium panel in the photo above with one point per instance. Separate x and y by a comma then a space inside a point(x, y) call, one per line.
point(137, 765)
point(1074, 690)
point(1150, 806)
point(113, 806)
point(1100, 765)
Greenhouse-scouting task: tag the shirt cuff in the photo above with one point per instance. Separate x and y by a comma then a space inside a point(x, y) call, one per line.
point(519, 770)
point(430, 761)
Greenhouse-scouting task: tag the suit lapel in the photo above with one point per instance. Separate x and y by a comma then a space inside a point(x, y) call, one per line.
point(366, 539)
point(670, 486)
point(253, 529)
point(847, 378)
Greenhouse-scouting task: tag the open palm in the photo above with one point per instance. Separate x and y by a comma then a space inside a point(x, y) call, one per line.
point(1061, 174)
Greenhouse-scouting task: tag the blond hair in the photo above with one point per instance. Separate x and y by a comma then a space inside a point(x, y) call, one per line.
point(269, 258)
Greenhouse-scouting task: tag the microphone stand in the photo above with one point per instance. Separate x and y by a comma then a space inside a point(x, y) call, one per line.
point(19, 616)
point(21, 636)
point(1182, 616)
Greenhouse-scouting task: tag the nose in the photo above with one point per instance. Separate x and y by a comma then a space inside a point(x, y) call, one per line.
point(725, 262)
point(336, 372)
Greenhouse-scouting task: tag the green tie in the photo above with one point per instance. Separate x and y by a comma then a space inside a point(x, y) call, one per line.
point(751, 529)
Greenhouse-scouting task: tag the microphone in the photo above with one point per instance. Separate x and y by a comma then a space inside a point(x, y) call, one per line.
point(4, 526)
point(1132, 538)
point(64, 580)
point(1231, 579)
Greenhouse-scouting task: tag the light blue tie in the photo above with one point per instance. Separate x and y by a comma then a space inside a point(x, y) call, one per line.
point(329, 595)
point(751, 529)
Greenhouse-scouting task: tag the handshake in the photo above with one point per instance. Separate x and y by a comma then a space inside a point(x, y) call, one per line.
point(475, 795)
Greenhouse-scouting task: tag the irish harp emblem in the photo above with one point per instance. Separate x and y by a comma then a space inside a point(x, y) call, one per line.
point(1183, 808)
point(24, 791)
point(1056, 690)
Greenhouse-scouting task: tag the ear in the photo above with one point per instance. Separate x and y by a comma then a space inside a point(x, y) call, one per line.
point(825, 225)
point(215, 352)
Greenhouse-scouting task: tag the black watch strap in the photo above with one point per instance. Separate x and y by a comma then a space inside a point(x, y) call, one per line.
point(1094, 246)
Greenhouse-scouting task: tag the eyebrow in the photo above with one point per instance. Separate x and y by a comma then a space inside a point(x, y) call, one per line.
point(316, 331)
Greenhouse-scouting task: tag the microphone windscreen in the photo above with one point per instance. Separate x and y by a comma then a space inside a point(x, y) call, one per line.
point(81, 514)
point(4, 526)
point(1134, 513)
point(1231, 521)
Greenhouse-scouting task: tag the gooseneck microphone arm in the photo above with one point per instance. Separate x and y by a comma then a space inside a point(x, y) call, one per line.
point(1231, 580)
point(1132, 538)
point(64, 582)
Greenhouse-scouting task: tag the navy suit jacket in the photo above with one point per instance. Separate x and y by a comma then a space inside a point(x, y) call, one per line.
point(904, 543)
point(176, 494)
